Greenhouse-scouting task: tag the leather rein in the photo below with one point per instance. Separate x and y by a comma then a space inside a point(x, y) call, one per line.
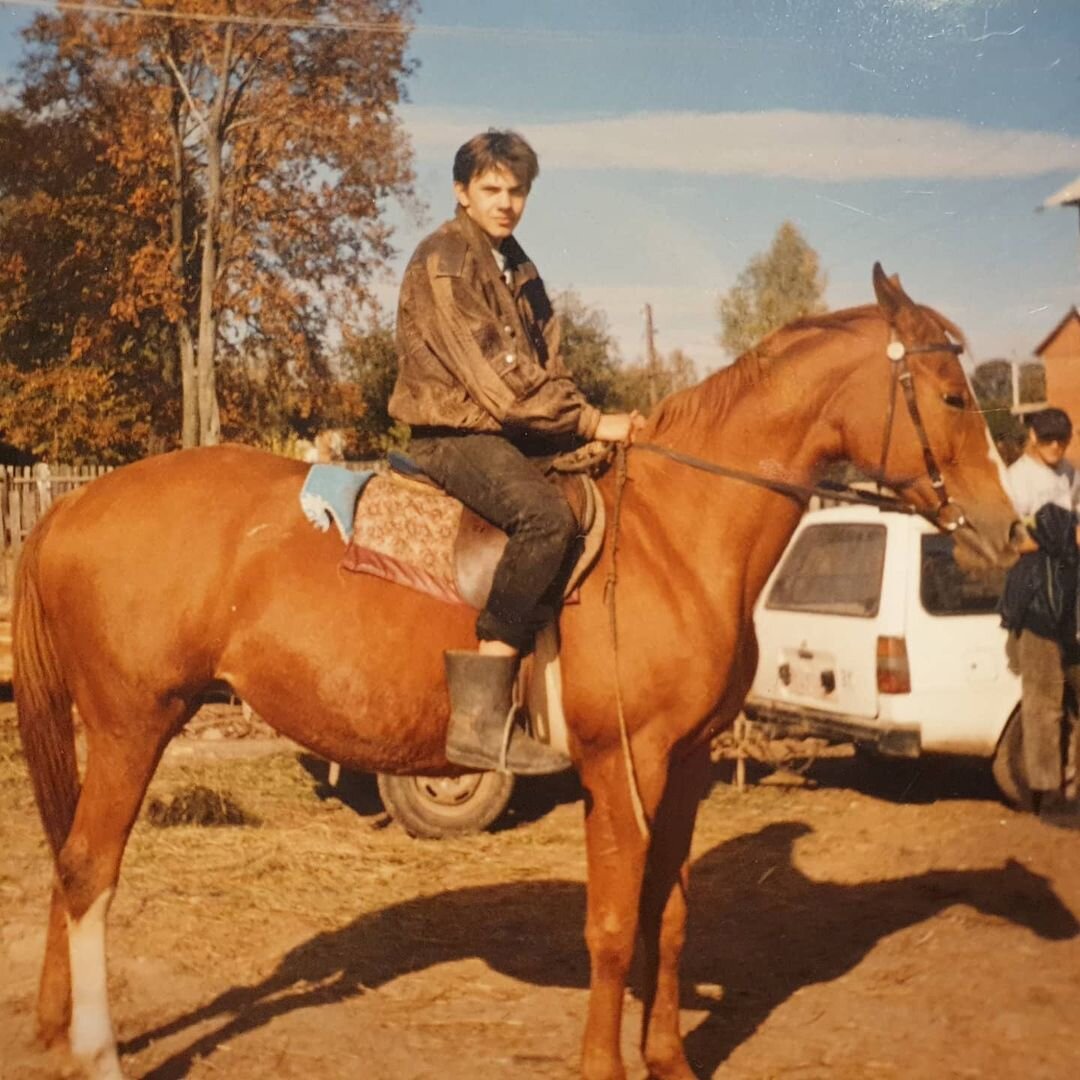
point(902, 376)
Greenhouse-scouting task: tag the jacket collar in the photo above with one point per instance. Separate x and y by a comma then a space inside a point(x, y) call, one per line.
point(516, 259)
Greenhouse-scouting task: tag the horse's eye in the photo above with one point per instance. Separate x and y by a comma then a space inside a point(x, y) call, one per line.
point(954, 401)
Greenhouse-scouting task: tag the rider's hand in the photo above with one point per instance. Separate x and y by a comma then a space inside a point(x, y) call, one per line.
point(619, 427)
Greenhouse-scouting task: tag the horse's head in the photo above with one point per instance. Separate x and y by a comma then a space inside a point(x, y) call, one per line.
point(920, 430)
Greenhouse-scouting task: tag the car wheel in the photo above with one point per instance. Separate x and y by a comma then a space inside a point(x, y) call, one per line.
point(1008, 765)
point(434, 807)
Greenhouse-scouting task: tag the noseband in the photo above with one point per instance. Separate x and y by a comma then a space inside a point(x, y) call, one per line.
point(898, 352)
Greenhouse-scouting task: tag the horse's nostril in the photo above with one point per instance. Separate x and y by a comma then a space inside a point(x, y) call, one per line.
point(1018, 533)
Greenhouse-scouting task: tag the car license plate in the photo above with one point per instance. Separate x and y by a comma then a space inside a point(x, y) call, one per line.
point(807, 674)
point(806, 682)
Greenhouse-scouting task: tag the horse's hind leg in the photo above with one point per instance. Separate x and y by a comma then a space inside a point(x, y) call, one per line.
point(119, 766)
point(54, 993)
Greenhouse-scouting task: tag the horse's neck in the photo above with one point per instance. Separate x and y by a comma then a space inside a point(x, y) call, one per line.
point(777, 424)
point(777, 427)
point(780, 427)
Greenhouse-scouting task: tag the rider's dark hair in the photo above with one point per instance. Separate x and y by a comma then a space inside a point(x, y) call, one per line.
point(492, 149)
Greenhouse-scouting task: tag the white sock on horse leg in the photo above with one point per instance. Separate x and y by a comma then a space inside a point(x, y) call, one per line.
point(92, 1040)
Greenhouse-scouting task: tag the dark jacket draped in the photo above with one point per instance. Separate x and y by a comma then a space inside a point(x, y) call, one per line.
point(1040, 590)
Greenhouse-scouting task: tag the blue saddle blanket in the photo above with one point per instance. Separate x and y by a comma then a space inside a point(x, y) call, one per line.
point(329, 497)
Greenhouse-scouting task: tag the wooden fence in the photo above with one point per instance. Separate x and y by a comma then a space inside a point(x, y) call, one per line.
point(26, 492)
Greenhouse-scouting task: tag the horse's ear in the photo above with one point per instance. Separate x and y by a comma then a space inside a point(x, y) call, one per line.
point(890, 294)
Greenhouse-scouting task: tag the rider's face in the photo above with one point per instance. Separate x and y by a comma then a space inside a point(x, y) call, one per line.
point(495, 200)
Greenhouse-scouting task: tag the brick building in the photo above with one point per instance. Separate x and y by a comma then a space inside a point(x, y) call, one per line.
point(1060, 354)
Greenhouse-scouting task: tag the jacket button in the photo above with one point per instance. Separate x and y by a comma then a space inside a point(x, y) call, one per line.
point(509, 358)
point(509, 330)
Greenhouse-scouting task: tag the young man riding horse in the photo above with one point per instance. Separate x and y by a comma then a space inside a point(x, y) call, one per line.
point(482, 384)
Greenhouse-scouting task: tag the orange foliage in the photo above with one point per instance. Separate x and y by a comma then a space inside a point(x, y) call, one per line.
point(305, 128)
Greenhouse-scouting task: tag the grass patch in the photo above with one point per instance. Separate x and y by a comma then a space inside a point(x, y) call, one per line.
point(198, 805)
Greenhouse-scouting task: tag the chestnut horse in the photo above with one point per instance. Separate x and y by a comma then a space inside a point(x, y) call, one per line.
point(141, 590)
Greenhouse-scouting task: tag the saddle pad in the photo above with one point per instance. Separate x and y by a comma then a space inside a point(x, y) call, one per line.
point(414, 534)
point(404, 531)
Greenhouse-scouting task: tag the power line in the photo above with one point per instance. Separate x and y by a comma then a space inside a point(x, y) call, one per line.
point(389, 27)
point(395, 26)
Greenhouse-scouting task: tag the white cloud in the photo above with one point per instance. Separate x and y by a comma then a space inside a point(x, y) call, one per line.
point(782, 143)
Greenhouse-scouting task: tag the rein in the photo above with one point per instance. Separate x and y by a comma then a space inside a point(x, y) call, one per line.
point(609, 598)
point(801, 493)
point(902, 375)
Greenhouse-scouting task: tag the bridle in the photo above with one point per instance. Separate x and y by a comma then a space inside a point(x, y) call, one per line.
point(901, 375)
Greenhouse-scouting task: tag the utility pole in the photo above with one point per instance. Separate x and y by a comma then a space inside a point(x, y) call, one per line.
point(650, 355)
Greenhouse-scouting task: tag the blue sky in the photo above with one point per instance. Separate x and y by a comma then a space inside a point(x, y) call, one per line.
point(675, 138)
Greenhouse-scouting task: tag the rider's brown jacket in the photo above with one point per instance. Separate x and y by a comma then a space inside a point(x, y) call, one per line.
point(475, 353)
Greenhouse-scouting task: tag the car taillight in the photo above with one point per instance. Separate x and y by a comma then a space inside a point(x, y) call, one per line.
point(893, 673)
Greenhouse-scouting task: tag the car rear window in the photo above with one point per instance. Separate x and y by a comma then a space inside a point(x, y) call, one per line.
point(833, 569)
point(945, 589)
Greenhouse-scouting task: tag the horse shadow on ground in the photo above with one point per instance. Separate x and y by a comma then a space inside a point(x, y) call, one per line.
point(759, 927)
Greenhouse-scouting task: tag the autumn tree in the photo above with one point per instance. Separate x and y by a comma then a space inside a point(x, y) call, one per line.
point(592, 354)
point(589, 350)
point(369, 367)
point(76, 381)
point(643, 385)
point(784, 283)
point(258, 148)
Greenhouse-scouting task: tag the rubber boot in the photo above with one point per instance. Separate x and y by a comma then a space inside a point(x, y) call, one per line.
point(483, 719)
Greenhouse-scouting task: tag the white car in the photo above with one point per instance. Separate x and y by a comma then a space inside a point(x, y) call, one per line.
point(869, 632)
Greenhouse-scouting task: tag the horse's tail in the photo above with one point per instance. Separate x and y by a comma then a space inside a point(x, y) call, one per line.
point(42, 700)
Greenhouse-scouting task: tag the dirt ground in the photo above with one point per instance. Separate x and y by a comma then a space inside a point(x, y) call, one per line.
point(889, 922)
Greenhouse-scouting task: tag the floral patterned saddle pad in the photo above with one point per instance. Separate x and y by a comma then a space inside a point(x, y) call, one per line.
point(411, 532)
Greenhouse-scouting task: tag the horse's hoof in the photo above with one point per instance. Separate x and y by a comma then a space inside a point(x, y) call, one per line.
point(670, 1067)
point(103, 1065)
point(51, 1034)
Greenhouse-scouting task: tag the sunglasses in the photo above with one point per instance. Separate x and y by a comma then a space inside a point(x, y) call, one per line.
point(1053, 441)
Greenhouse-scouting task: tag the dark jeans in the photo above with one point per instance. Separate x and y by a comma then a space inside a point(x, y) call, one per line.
point(496, 480)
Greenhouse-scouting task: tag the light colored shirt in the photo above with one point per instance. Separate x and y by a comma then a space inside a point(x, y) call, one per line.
point(500, 262)
point(1034, 484)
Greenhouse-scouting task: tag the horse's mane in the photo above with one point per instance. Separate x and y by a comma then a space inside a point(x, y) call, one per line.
point(710, 400)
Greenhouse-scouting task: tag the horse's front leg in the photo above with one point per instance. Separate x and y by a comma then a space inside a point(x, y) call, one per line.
point(663, 915)
point(616, 859)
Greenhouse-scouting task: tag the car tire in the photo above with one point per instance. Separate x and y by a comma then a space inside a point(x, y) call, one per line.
point(435, 807)
point(1008, 764)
